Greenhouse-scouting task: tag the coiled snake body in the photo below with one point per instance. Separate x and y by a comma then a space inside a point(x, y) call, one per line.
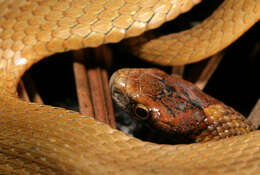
point(39, 139)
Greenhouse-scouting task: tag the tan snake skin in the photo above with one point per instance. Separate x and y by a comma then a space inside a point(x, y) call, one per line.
point(38, 139)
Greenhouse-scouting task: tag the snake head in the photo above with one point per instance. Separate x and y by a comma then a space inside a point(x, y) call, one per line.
point(174, 106)
point(164, 102)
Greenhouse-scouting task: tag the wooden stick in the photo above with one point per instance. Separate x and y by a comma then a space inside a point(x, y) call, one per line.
point(92, 85)
point(107, 56)
point(178, 70)
point(31, 89)
point(254, 116)
point(97, 94)
point(208, 70)
point(104, 54)
point(82, 84)
point(22, 92)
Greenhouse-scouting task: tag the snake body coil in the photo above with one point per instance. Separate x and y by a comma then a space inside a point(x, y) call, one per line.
point(39, 139)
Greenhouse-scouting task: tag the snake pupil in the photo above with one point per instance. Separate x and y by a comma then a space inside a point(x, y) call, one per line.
point(141, 112)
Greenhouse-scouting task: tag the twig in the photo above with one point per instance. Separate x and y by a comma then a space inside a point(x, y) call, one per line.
point(103, 53)
point(208, 70)
point(92, 85)
point(254, 116)
point(97, 94)
point(22, 92)
point(31, 89)
point(82, 84)
point(178, 70)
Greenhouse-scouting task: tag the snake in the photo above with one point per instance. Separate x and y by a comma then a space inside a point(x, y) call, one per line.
point(175, 107)
point(41, 139)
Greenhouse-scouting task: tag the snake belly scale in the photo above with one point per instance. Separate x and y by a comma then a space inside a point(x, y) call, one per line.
point(39, 139)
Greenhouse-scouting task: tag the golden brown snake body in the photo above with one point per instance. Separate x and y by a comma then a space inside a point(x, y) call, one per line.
point(46, 140)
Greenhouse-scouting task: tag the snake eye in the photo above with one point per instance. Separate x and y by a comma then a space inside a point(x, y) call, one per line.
point(142, 112)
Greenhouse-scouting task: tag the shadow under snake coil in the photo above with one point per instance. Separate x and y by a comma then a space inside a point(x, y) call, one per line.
point(40, 139)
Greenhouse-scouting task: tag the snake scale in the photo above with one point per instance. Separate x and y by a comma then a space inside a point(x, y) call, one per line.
point(40, 139)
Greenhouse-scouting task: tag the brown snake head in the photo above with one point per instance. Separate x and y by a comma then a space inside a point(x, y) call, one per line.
point(175, 106)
